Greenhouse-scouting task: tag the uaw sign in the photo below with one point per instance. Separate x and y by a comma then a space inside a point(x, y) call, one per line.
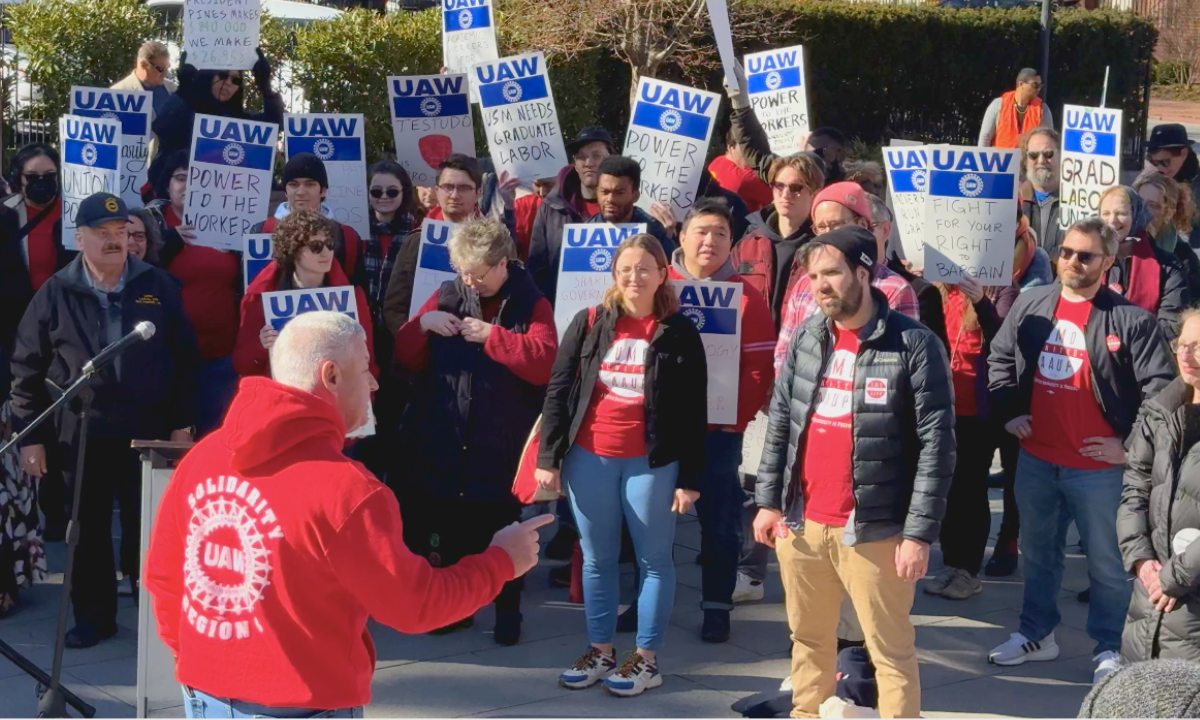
point(908, 181)
point(433, 262)
point(775, 84)
point(431, 118)
point(134, 109)
point(668, 135)
point(585, 266)
point(90, 164)
point(520, 117)
point(970, 214)
point(468, 34)
point(229, 179)
point(714, 308)
point(256, 255)
point(1091, 160)
point(283, 305)
point(337, 139)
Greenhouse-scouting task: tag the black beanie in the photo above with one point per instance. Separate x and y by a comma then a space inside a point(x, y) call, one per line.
point(856, 243)
point(305, 166)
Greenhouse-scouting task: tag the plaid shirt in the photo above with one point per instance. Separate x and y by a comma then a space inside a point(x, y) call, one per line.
point(378, 268)
point(800, 305)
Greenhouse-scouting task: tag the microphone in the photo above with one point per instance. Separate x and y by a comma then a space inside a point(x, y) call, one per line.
point(142, 331)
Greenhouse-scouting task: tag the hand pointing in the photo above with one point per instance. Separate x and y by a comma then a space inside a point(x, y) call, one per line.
point(521, 542)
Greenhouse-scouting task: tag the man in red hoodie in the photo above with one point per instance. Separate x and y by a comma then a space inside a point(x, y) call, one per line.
point(271, 548)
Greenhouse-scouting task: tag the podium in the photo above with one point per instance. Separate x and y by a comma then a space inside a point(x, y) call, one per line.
point(157, 689)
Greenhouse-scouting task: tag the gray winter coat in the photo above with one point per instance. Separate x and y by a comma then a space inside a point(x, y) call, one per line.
point(904, 449)
point(1162, 498)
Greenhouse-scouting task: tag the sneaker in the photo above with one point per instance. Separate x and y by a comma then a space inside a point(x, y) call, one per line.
point(1004, 560)
point(747, 589)
point(635, 676)
point(962, 585)
point(562, 544)
point(716, 626)
point(590, 669)
point(937, 585)
point(1107, 663)
point(1019, 650)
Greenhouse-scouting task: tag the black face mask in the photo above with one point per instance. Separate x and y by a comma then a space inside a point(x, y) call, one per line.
point(42, 190)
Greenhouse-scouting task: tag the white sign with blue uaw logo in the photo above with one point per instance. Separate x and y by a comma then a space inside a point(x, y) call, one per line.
point(520, 117)
point(715, 309)
point(468, 34)
point(256, 255)
point(1091, 160)
point(431, 118)
point(775, 84)
point(668, 135)
point(229, 179)
point(134, 109)
point(283, 305)
point(90, 164)
point(585, 266)
point(338, 140)
point(908, 180)
point(970, 214)
point(433, 262)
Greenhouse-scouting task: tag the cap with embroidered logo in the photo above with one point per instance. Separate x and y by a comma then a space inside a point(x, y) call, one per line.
point(97, 209)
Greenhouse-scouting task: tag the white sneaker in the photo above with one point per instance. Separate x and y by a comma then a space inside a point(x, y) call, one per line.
point(590, 669)
point(786, 685)
point(634, 677)
point(747, 589)
point(1107, 663)
point(1019, 650)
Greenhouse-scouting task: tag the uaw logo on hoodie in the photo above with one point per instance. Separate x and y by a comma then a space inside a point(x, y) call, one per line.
point(227, 559)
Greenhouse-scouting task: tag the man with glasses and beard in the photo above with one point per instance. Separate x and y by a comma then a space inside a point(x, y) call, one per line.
point(1039, 192)
point(1067, 373)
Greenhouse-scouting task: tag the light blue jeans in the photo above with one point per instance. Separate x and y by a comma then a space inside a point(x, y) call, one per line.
point(1048, 498)
point(197, 704)
point(602, 491)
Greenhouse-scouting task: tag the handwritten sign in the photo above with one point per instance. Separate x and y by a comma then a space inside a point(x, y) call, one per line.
point(775, 84)
point(753, 442)
point(229, 179)
point(134, 109)
point(668, 135)
point(714, 308)
point(221, 34)
point(337, 139)
point(91, 147)
point(520, 117)
point(585, 266)
point(1091, 161)
point(431, 118)
point(908, 181)
point(468, 34)
point(283, 305)
point(256, 255)
point(433, 262)
point(970, 214)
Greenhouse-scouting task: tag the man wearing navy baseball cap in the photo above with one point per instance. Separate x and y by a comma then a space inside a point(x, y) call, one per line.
point(146, 393)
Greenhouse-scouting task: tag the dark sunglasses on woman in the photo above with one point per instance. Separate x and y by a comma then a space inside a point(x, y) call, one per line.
point(380, 192)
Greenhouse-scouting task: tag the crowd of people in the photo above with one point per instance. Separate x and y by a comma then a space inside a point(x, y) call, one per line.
point(886, 397)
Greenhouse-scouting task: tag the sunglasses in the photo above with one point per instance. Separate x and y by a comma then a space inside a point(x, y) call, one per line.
point(229, 77)
point(380, 192)
point(34, 177)
point(1038, 155)
point(317, 246)
point(1085, 257)
point(794, 188)
point(162, 70)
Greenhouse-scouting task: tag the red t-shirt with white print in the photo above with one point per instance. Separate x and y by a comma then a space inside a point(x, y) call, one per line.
point(827, 476)
point(614, 425)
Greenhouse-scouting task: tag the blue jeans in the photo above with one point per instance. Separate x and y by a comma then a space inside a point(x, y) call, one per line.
point(603, 491)
point(202, 705)
point(216, 384)
point(720, 512)
point(1048, 497)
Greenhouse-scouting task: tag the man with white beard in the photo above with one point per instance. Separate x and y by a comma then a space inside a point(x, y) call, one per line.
point(1039, 192)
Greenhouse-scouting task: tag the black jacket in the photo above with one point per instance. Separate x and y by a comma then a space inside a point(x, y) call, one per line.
point(1140, 367)
point(676, 395)
point(1174, 295)
point(16, 287)
point(64, 328)
point(904, 451)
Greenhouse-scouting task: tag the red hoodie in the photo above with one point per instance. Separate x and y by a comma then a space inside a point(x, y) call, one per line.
point(271, 549)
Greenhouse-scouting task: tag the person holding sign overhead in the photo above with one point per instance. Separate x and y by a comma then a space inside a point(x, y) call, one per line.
point(1015, 113)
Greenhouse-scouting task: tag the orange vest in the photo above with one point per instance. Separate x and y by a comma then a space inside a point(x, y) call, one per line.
point(1008, 129)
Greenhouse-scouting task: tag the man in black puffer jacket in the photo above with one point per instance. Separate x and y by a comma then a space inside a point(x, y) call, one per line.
point(863, 501)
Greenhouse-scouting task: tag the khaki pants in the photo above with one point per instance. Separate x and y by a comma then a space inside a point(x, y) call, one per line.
point(815, 567)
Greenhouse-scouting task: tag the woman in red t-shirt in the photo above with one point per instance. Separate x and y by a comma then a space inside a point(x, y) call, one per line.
point(629, 441)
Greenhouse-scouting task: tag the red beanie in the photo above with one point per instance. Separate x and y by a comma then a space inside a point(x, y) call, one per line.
point(849, 195)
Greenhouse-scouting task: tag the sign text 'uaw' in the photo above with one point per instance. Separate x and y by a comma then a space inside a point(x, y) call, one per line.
point(134, 109)
point(520, 116)
point(468, 34)
point(256, 255)
point(431, 118)
point(90, 164)
point(908, 182)
point(229, 179)
point(433, 262)
point(1091, 160)
point(281, 306)
point(715, 309)
point(338, 140)
point(585, 266)
point(775, 84)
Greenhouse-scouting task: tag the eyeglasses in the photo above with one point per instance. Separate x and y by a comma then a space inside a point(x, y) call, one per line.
point(642, 272)
point(830, 227)
point(1085, 257)
point(473, 278)
point(34, 177)
point(450, 188)
point(595, 158)
point(162, 70)
point(792, 189)
point(318, 246)
point(227, 76)
point(1036, 155)
point(1191, 349)
point(390, 192)
point(137, 236)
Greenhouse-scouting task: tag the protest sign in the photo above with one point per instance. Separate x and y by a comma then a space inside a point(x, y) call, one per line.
point(90, 164)
point(775, 85)
point(221, 34)
point(585, 266)
point(256, 255)
point(431, 118)
point(668, 135)
point(283, 305)
point(134, 109)
point(1091, 161)
point(468, 34)
point(229, 179)
point(753, 441)
point(337, 139)
point(908, 176)
point(714, 308)
point(433, 262)
point(970, 214)
point(718, 15)
point(519, 114)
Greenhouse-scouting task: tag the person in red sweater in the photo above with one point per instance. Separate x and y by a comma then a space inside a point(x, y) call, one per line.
point(482, 347)
point(704, 254)
point(271, 548)
point(303, 250)
point(732, 172)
